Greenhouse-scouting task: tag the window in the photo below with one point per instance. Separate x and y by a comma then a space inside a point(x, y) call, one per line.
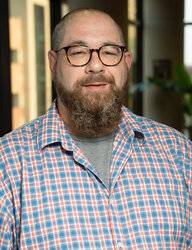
point(30, 74)
point(40, 58)
point(188, 35)
point(64, 8)
point(14, 56)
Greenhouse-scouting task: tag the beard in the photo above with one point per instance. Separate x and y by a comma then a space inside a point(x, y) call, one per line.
point(94, 113)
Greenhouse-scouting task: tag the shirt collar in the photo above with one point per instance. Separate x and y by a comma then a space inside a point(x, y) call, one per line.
point(130, 126)
point(51, 129)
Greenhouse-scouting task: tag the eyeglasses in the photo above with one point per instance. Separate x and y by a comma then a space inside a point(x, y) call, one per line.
point(80, 55)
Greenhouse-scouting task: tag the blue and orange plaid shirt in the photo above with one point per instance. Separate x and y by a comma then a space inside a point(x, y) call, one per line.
point(51, 197)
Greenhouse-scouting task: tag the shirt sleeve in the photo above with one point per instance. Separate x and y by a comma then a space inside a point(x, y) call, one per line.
point(7, 231)
point(188, 173)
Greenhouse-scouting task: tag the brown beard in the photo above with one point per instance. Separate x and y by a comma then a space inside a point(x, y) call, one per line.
point(94, 114)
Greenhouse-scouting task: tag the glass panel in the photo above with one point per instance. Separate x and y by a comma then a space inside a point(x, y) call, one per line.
point(132, 43)
point(40, 59)
point(64, 8)
point(188, 46)
point(18, 67)
point(188, 11)
point(132, 10)
point(30, 75)
point(132, 38)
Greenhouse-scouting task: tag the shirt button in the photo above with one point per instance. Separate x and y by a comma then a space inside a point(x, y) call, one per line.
point(120, 245)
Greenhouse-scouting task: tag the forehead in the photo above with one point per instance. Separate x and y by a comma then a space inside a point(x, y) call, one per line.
point(93, 28)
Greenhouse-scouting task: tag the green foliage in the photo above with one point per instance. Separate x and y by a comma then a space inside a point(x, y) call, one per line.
point(182, 79)
point(187, 104)
point(181, 83)
point(163, 84)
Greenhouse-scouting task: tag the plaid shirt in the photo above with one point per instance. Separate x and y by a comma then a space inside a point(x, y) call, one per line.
point(51, 197)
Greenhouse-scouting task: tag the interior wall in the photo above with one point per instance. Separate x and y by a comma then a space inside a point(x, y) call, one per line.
point(117, 9)
point(163, 39)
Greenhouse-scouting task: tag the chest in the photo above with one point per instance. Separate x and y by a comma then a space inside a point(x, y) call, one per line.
point(64, 200)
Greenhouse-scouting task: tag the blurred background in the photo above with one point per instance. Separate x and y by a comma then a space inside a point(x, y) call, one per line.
point(158, 33)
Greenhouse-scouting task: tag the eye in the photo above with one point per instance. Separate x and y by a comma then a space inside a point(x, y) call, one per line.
point(77, 51)
point(110, 51)
point(107, 52)
point(113, 53)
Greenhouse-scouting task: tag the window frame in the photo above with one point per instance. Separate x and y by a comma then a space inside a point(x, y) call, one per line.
point(138, 24)
point(5, 81)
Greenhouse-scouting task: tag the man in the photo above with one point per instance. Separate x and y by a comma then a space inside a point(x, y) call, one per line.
point(89, 174)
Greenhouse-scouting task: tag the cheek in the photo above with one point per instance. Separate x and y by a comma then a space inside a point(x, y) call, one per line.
point(66, 77)
point(121, 76)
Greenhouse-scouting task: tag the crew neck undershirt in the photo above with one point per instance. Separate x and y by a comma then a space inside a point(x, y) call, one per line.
point(98, 151)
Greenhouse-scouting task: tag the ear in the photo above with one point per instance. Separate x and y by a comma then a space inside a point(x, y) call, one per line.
point(52, 56)
point(128, 59)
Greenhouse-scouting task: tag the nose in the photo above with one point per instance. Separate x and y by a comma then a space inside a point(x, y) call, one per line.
point(95, 65)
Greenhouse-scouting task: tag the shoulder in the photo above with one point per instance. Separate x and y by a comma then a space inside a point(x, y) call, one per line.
point(165, 141)
point(12, 148)
point(161, 135)
point(16, 139)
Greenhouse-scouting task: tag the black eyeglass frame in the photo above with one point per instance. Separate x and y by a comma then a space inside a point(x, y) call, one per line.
point(66, 48)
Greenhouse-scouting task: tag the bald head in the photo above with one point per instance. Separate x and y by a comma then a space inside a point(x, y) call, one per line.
point(60, 29)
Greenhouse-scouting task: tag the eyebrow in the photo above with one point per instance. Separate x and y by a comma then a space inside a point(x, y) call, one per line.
point(112, 43)
point(78, 42)
point(81, 42)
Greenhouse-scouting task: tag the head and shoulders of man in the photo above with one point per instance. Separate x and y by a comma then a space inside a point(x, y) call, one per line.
point(90, 97)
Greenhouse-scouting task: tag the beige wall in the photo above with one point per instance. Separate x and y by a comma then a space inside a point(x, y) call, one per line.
point(162, 40)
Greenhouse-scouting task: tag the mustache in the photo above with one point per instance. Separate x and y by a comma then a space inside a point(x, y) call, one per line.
point(95, 78)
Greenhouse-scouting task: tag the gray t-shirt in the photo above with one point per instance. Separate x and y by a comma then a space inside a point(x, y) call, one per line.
point(98, 151)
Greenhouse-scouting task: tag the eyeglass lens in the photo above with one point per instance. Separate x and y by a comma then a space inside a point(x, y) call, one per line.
point(80, 55)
